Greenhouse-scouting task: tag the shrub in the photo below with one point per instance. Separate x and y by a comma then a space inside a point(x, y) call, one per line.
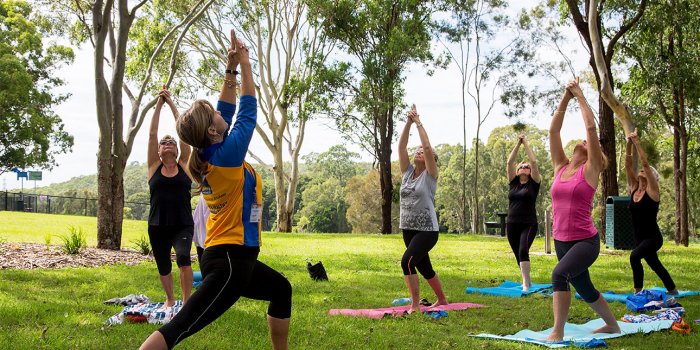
point(142, 245)
point(74, 241)
point(47, 240)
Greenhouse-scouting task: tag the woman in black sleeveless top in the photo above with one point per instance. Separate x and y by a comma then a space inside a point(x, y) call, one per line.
point(170, 219)
point(521, 222)
point(644, 206)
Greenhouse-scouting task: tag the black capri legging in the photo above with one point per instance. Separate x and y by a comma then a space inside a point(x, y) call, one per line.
point(229, 272)
point(418, 244)
point(646, 249)
point(575, 257)
point(520, 237)
point(163, 239)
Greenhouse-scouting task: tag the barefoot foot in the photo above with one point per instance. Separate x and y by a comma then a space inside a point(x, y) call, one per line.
point(608, 329)
point(555, 336)
point(439, 302)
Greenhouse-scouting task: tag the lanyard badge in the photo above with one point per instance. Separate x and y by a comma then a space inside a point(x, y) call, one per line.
point(256, 208)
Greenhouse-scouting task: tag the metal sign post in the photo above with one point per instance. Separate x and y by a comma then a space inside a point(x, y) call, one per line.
point(547, 233)
point(34, 175)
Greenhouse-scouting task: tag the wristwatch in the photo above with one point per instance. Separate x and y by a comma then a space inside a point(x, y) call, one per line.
point(232, 71)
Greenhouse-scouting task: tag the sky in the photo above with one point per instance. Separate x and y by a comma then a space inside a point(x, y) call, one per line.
point(437, 97)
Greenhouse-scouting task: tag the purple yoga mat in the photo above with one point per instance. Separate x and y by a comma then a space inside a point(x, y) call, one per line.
point(399, 310)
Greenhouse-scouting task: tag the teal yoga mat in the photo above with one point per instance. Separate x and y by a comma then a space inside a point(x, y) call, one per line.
point(511, 289)
point(580, 335)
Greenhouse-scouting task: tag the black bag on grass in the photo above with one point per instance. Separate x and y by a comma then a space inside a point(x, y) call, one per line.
point(317, 271)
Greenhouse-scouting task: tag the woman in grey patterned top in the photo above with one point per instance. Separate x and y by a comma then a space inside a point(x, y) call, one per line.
point(418, 219)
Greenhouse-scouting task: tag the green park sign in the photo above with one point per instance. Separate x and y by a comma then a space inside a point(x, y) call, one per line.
point(34, 175)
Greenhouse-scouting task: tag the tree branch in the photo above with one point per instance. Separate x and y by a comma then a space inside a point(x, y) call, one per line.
point(605, 87)
point(624, 29)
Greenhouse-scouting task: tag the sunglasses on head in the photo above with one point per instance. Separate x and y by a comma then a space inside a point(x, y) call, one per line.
point(167, 142)
point(524, 166)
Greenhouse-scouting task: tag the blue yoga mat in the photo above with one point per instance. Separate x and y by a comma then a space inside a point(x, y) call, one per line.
point(622, 297)
point(580, 335)
point(511, 289)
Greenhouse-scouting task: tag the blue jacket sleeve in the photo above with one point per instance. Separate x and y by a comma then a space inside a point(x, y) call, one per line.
point(233, 149)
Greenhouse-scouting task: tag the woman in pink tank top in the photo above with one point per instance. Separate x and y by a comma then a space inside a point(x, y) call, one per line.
point(575, 238)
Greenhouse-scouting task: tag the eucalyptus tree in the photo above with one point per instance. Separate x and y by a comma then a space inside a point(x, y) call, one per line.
point(381, 37)
point(490, 54)
point(290, 53)
point(612, 21)
point(109, 26)
point(664, 86)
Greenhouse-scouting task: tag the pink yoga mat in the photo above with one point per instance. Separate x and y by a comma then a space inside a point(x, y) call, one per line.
point(399, 310)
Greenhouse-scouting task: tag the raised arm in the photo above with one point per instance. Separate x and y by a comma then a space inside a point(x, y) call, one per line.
point(404, 161)
point(534, 170)
point(228, 88)
point(595, 163)
point(233, 152)
point(555, 146)
point(629, 167)
point(428, 155)
point(510, 167)
point(153, 158)
point(652, 183)
point(185, 149)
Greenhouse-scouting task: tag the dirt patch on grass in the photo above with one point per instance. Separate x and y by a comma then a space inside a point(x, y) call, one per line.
point(38, 256)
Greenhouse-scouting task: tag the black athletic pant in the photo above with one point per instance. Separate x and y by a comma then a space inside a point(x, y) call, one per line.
point(163, 239)
point(418, 244)
point(575, 257)
point(520, 237)
point(646, 249)
point(229, 272)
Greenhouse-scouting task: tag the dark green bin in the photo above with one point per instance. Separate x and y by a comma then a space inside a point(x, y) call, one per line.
point(619, 233)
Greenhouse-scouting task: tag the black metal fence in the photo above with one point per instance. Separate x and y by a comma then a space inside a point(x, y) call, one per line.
point(48, 204)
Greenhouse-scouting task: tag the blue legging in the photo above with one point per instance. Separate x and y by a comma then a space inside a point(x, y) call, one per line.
point(575, 257)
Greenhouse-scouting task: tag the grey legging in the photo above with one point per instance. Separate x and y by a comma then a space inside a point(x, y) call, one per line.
point(575, 257)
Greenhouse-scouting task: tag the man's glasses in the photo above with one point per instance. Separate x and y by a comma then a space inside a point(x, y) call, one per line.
point(167, 142)
point(524, 166)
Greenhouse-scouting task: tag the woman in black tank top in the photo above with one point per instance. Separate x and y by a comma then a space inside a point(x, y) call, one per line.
point(644, 206)
point(170, 222)
point(521, 222)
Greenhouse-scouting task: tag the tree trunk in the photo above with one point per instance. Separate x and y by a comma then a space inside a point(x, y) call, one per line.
point(110, 204)
point(683, 207)
point(680, 160)
point(386, 185)
point(475, 189)
point(284, 216)
point(676, 176)
point(609, 176)
point(291, 193)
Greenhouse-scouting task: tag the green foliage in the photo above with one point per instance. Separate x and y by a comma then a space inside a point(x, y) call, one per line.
point(47, 240)
point(32, 133)
point(142, 245)
point(74, 241)
point(364, 213)
point(336, 163)
point(325, 207)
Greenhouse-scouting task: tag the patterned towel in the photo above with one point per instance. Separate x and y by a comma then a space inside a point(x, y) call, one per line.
point(153, 313)
point(671, 315)
point(131, 299)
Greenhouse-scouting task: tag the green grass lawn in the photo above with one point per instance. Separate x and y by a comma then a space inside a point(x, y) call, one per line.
point(62, 309)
